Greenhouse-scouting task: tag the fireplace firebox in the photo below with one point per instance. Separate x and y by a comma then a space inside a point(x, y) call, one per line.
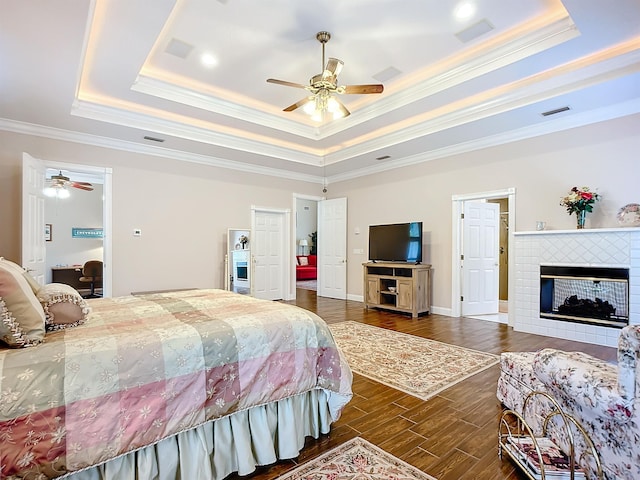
point(592, 295)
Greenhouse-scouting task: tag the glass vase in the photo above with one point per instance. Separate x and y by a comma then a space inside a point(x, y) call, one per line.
point(581, 216)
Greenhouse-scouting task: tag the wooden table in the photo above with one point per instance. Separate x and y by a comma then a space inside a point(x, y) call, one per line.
point(69, 275)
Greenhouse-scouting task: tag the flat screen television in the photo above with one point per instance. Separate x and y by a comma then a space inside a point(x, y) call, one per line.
point(398, 242)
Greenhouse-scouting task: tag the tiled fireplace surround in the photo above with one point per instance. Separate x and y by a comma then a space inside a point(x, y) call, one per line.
point(606, 247)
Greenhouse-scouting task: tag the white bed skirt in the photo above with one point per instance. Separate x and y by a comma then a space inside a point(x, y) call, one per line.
point(237, 443)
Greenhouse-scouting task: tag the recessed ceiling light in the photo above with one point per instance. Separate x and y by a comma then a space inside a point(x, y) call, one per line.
point(208, 60)
point(465, 10)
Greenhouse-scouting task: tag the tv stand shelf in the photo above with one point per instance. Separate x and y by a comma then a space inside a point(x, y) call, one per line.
point(403, 287)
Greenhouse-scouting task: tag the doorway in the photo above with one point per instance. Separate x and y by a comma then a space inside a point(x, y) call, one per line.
point(238, 261)
point(306, 237)
point(506, 199)
point(58, 233)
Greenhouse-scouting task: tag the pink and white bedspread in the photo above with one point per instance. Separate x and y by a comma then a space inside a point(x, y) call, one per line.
point(147, 367)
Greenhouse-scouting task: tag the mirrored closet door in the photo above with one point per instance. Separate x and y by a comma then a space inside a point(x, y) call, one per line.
point(238, 261)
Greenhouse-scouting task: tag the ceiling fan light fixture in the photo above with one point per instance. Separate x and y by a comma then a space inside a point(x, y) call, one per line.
point(323, 104)
point(333, 106)
point(317, 116)
point(56, 191)
point(310, 107)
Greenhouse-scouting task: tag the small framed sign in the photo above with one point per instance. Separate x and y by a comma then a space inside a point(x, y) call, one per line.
point(77, 232)
point(47, 232)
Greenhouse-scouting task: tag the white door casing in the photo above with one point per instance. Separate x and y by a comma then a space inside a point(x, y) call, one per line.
point(480, 264)
point(33, 246)
point(332, 248)
point(457, 204)
point(269, 251)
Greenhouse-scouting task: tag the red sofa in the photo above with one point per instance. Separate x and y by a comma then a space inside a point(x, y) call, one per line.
point(307, 272)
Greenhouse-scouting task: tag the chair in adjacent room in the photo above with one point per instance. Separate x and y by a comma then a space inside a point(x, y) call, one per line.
point(92, 274)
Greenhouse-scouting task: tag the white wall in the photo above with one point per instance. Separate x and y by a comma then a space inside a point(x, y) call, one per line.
point(82, 209)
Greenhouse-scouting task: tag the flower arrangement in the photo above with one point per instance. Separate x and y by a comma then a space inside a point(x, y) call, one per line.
point(579, 200)
point(243, 240)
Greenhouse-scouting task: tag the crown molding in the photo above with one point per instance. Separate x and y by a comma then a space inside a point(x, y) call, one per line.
point(576, 75)
point(176, 93)
point(110, 143)
point(140, 121)
point(610, 112)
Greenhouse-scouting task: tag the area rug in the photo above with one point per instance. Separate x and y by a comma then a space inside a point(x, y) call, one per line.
point(414, 365)
point(307, 284)
point(356, 459)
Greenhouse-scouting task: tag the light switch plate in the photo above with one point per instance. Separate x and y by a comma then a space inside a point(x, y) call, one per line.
point(137, 232)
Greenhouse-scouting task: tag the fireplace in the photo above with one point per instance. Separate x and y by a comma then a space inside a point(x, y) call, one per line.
point(601, 248)
point(591, 295)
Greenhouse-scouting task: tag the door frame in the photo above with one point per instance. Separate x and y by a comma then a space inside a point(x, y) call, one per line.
point(107, 210)
point(295, 197)
point(457, 207)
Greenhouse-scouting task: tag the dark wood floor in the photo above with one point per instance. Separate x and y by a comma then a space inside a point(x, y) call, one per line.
point(454, 434)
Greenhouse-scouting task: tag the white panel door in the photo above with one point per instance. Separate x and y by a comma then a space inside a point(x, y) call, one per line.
point(33, 246)
point(267, 248)
point(332, 248)
point(481, 230)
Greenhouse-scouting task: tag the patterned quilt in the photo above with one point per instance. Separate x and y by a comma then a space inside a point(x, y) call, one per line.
point(144, 368)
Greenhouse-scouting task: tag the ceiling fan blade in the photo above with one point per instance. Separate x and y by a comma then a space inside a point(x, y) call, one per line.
point(333, 68)
point(285, 83)
point(298, 104)
point(82, 186)
point(363, 89)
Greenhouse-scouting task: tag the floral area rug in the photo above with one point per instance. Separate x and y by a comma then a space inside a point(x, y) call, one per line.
point(356, 459)
point(411, 364)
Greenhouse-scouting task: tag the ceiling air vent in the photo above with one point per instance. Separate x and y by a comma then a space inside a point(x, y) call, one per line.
point(178, 48)
point(153, 139)
point(384, 157)
point(387, 74)
point(553, 112)
point(474, 31)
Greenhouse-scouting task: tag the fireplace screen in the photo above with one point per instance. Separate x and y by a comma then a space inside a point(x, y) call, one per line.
point(592, 295)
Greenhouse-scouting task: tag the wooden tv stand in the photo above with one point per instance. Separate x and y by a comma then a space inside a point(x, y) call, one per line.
point(410, 287)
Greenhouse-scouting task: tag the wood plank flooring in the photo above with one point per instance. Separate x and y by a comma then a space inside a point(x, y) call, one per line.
point(452, 435)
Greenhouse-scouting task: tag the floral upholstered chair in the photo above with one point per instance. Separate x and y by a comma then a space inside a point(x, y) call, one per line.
point(603, 398)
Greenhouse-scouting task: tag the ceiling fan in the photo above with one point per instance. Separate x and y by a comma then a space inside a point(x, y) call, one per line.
point(62, 181)
point(323, 85)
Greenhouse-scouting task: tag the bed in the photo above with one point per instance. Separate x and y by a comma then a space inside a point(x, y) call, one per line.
point(193, 384)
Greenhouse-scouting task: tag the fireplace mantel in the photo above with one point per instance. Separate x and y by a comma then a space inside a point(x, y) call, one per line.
point(584, 231)
point(604, 247)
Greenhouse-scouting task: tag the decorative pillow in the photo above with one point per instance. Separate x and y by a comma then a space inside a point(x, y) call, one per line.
point(21, 315)
point(63, 306)
point(35, 286)
point(304, 261)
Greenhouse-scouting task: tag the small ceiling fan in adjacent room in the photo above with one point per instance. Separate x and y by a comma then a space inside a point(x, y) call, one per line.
point(323, 86)
point(57, 186)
